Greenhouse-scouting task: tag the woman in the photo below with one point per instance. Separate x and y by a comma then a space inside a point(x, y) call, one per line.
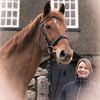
point(81, 88)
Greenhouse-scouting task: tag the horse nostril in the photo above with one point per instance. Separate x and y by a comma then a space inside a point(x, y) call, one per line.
point(63, 55)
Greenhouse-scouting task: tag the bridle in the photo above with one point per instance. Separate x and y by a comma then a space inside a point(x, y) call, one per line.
point(49, 44)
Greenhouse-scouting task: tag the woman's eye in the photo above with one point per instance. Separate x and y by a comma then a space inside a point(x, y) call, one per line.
point(80, 67)
point(48, 27)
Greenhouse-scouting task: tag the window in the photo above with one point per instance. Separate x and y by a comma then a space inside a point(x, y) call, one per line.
point(71, 12)
point(9, 13)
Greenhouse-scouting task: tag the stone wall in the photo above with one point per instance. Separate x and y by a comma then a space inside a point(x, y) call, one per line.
point(38, 88)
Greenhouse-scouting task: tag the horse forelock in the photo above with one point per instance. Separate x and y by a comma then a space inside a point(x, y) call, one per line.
point(57, 14)
point(22, 38)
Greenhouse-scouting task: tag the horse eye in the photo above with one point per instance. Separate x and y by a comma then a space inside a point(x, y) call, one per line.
point(48, 27)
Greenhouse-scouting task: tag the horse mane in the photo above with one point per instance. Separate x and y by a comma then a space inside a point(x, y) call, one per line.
point(22, 38)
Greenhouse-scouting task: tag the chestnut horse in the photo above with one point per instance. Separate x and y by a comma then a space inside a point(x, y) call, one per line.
point(21, 55)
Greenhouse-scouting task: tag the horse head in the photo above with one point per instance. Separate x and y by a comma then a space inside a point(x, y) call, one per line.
point(53, 37)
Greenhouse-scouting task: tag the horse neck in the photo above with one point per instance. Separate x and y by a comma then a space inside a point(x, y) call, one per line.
point(19, 70)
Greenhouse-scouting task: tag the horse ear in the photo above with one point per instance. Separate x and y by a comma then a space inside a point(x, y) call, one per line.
point(47, 9)
point(62, 9)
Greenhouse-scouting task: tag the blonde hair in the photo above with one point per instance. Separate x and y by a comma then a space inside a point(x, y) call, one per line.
point(87, 62)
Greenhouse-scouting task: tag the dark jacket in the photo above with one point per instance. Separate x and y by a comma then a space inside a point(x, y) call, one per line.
point(80, 89)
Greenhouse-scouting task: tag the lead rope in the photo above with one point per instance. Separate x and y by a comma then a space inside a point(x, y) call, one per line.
point(78, 92)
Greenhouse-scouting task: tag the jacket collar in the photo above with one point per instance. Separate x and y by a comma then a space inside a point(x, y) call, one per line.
point(82, 81)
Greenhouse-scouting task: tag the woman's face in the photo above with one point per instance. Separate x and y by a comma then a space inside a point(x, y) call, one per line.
point(83, 70)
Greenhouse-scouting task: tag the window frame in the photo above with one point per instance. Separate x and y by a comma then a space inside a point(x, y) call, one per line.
point(12, 13)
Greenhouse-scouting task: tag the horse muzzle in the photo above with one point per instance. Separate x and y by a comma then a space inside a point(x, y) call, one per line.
point(63, 57)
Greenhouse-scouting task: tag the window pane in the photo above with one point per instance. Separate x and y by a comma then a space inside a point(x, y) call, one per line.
point(9, 14)
point(72, 5)
point(15, 14)
point(2, 21)
point(3, 13)
point(66, 13)
point(9, 5)
point(3, 5)
point(14, 22)
point(66, 5)
point(72, 14)
point(72, 0)
point(8, 22)
point(55, 5)
point(15, 5)
point(73, 22)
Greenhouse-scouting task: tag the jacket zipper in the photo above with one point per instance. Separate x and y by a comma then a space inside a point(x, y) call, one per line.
point(78, 94)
